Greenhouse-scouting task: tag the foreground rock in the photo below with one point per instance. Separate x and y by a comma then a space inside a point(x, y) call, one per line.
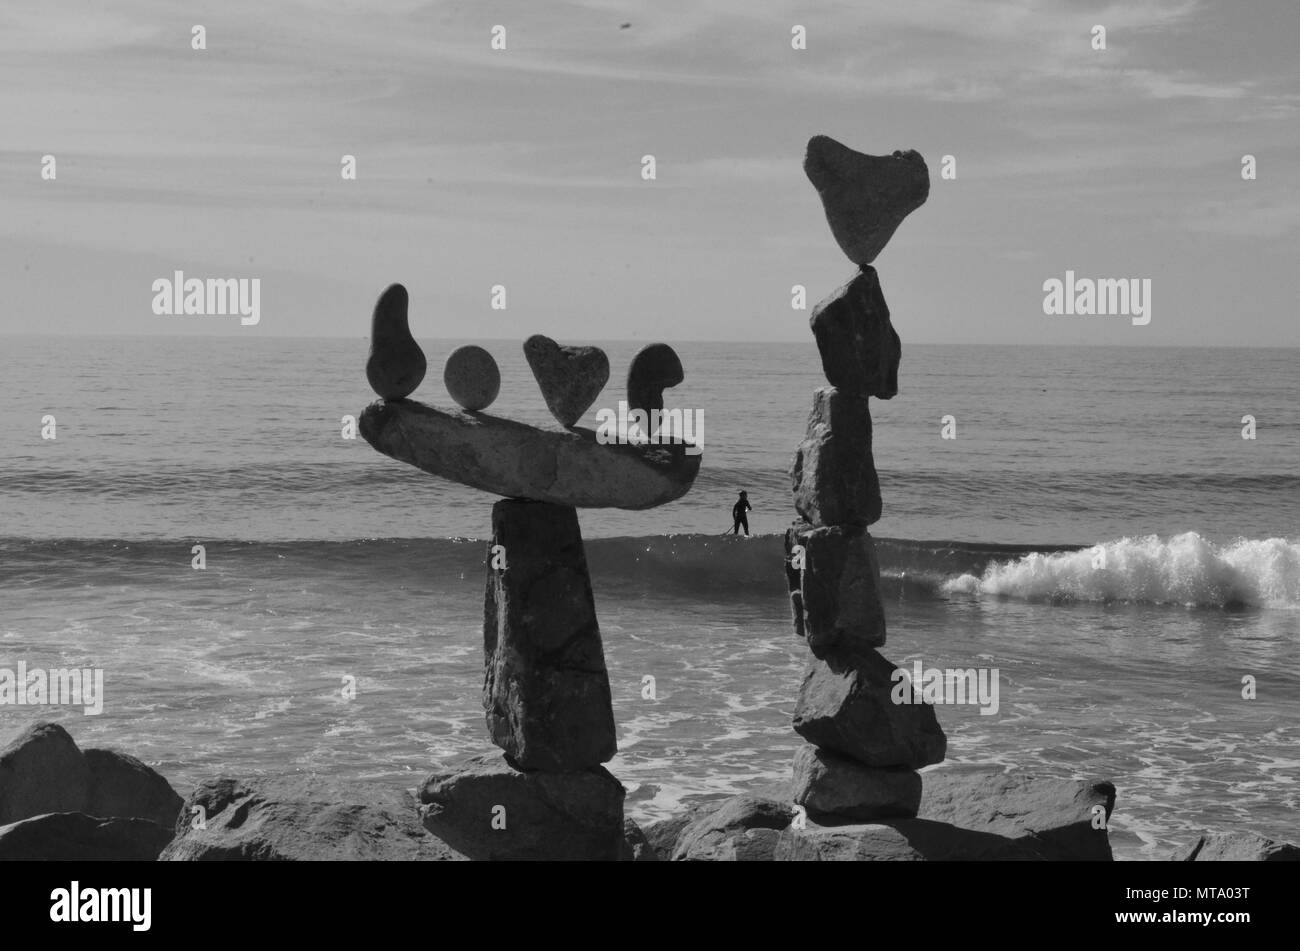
point(740, 829)
point(77, 837)
point(1064, 818)
point(859, 347)
point(570, 378)
point(546, 691)
point(840, 611)
point(830, 785)
point(866, 197)
point(302, 819)
point(515, 460)
point(1236, 847)
point(43, 771)
point(899, 840)
point(833, 476)
point(488, 810)
point(851, 710)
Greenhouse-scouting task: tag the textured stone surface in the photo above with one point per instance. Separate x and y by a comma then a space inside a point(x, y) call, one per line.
point(843, 616)
point(866, 197)
point(570, 377)
point(1058, 815)
point(77, 837)
point(899, 840)
point(538, 815)
point(740, 829)
point(636, 847)
point(567, 467)
point(42, 771)
point(396, 365)
point(545, 690)
point(121, 785)
point(302, 818)
point(859, 348)
point(1236, 847)
point(472, 377)
point(829, 784)
point(849, 710)
point(833, 476)
point(654, 369)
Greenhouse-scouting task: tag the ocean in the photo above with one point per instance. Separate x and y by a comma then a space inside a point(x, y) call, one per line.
point(326, 561)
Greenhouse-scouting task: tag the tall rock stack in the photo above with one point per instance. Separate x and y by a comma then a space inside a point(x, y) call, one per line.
point(865, 745)
point(546, 692)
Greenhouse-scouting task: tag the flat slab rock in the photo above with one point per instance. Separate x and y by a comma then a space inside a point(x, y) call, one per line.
point(490, 811)
point(828, 784)
point(77, 837)
point(303, 819)
point(1236, 847)
point(965, 814)
point(516, 460)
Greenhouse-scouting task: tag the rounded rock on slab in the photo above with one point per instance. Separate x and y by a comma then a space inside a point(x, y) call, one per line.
point(396, 365)
point(472, 377)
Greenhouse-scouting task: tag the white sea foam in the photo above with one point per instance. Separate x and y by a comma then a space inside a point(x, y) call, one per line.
point(1182, 569)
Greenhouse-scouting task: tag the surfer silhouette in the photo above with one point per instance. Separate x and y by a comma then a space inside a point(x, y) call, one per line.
point(738, 514)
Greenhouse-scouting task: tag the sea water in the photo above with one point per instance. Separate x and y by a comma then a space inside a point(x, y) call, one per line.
point(1099, 533)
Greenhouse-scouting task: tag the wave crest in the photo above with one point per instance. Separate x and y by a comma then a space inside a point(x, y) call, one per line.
point(1182, 569)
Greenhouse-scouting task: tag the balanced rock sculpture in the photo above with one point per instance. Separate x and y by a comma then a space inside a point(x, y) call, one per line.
point(866, 747)
point(546, 691)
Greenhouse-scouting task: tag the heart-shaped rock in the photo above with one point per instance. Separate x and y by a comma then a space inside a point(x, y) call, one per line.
point(570, 377)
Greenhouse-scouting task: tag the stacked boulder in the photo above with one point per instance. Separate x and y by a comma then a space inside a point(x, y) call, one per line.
point(545, 691)
point(865, 745)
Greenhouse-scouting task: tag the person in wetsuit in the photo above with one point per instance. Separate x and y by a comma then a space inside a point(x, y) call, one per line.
point(738, 514)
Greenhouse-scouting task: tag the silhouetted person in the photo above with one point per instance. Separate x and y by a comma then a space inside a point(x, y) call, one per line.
point(738, 514)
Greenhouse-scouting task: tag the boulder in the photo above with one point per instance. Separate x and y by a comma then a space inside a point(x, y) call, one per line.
point(396, 365)
point(662, 834)
point(546, 690)
point(833, 475)
point(472, 378)
point(302, 819)
point(42, 771)
point(851, 710)
point(1060, 816)
point(1236, 847)
point(739, 829)
point(513, 459)
point(898, 840)
point(827, 784)
point(121, 785)
point(866, 197)
point(843, 616)
point(77, 837)
point(488, 810)
point(636, 847)
point(570, 377)
point(859, 348)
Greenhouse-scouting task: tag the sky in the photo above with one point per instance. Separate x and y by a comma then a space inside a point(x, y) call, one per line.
point(523, 167)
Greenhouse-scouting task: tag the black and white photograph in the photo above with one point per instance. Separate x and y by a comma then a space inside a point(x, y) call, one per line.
point(615, 431)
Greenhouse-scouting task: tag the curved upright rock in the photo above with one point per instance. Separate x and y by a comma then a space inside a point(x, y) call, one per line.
point(396, 365)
